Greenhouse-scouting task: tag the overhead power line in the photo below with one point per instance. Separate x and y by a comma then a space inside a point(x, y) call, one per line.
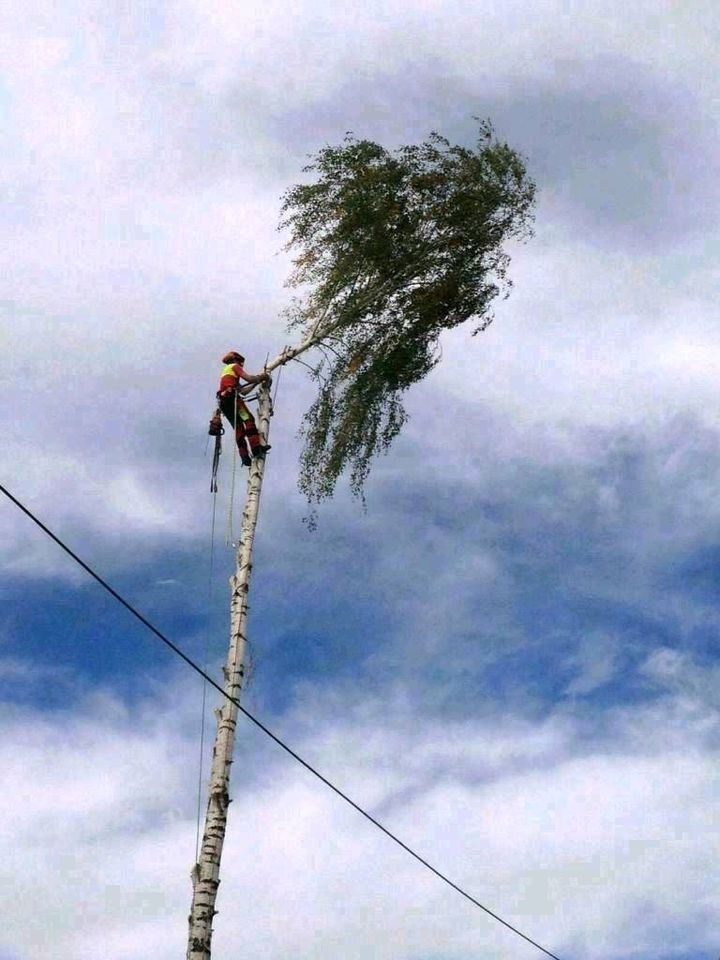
point(191, 663)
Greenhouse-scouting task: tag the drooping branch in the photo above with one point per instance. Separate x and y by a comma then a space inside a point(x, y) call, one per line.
point(394, 248)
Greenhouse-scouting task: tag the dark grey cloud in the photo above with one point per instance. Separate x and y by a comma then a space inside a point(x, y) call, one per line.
point(620, 151)
point(533, 582)
point(627, 153)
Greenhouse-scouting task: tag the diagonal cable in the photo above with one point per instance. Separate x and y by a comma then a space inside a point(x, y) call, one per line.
point(191, 663)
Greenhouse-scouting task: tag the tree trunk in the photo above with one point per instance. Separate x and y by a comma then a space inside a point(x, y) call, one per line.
point(206, 872)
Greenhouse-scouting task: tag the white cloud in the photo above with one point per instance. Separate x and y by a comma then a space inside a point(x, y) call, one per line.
point(323, 45)
point(133, 267)
point(591, 339)
point(146, 155)
point(568, 838)
point(595, 664)
point(693, 685)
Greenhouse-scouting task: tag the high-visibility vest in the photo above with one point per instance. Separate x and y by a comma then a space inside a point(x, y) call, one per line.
point(230, 375)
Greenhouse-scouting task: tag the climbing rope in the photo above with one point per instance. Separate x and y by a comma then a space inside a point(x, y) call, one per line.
point(216, 430)
point(206, 658)
point(230, 538)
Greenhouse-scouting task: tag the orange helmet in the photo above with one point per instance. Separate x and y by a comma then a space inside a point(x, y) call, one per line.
point(233, 357)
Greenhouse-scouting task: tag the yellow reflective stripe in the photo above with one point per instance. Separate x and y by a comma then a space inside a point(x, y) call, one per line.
point(227, 370)
point(244, 413)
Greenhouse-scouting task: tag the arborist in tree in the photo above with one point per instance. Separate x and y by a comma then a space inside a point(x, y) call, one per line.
point(234, 409)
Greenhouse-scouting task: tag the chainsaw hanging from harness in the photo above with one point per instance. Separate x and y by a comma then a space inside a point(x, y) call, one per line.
point(216, 429)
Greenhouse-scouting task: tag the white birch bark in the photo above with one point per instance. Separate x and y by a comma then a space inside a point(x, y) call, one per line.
point(206, 872)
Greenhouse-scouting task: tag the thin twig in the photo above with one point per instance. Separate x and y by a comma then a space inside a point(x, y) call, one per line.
point(311, 369)
point(326, 346)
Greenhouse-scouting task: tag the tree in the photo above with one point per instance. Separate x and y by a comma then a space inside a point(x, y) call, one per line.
point(391, 248)
point(394, 248)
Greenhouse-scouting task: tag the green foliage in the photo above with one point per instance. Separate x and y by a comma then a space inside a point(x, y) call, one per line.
point(392, 249)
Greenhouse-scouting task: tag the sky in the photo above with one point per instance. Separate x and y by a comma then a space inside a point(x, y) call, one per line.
point(511, 656)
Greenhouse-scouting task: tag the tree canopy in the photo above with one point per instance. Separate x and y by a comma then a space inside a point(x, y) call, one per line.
point(392, 248)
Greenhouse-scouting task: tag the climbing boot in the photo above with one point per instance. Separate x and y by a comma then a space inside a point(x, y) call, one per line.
point(260, 451)
point(246, 461)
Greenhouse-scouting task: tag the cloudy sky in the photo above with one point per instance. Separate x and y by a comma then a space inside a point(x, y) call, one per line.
point(511, 657)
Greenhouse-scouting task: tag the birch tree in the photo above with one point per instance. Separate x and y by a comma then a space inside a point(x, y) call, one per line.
point(391, 248)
